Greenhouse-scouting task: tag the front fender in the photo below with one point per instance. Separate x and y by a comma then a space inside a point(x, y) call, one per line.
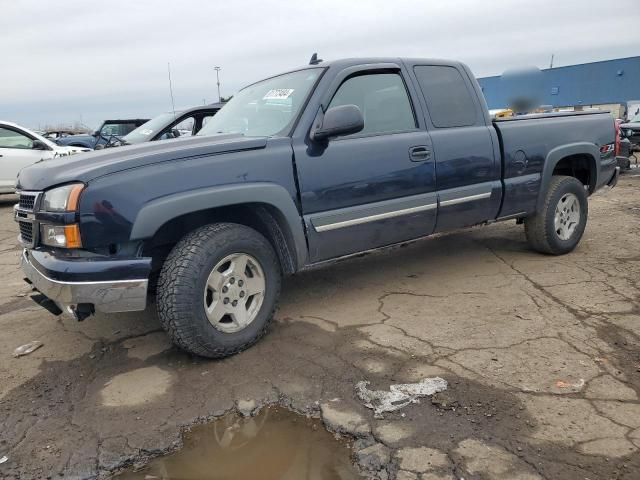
point(157, 212)
point(590, 150)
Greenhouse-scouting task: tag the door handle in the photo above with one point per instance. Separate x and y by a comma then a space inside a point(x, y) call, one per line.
point(419, 154)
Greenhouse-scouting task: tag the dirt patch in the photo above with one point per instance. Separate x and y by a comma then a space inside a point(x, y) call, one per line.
point(136, 387)
point(98, 440)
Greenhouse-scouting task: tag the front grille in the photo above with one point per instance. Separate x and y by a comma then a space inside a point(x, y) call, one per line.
point(26, 232)
point(28, 204)
point(27, 201)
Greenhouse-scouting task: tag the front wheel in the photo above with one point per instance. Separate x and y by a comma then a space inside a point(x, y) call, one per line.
point(218, 289)
point(558, 227)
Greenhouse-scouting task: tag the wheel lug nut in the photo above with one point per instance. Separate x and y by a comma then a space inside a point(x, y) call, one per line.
point(242, 294)
point(225, 289)
point(226, 300)
point(234, 303)
point(232, 280)
point(240, 283)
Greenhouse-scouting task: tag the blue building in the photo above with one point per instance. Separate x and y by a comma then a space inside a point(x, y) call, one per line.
point(598, 83)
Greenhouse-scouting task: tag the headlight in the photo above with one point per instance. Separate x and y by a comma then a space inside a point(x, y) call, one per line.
point(62, 199)
point(65, 236)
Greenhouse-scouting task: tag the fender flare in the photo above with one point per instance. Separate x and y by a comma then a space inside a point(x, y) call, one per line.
point(563, 151)
point(155, 213)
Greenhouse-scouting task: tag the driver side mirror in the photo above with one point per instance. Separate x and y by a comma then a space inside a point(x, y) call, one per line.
point(39, 145)
point(96, 133)
point(341, 120)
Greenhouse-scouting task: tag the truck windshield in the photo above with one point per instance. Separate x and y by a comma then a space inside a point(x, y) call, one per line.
point(118, 129)
point(635, 119)
point(147, 131)
point(265, 108)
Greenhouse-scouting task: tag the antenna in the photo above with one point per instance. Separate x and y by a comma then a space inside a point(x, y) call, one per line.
point(217, 69)
point(314, 59)
point(173, 105)
point(551, 65)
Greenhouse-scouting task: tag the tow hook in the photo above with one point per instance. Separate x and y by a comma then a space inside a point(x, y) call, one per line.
point(81, 311)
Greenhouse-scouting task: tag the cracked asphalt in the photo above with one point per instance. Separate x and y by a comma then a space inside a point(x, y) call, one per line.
point(542, 356)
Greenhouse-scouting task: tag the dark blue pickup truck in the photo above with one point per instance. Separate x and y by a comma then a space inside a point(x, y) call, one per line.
point(109, 130)
point(315, 164)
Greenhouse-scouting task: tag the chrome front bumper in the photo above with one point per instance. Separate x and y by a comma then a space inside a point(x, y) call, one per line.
point(105, 296)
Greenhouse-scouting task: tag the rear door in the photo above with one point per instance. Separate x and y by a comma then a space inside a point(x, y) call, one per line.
point(465, 146)
point(375, 187)
point(16, 152)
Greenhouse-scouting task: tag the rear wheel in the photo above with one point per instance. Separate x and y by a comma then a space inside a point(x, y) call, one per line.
point(558, 227)
point(218, 289)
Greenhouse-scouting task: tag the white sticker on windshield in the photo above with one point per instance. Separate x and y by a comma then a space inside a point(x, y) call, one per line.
point(146, 131)
point(278, 94)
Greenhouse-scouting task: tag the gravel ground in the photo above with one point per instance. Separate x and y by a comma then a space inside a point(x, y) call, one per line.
point(542, 357)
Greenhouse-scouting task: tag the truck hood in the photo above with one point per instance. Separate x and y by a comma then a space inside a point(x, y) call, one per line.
point(85, 167)
point(64, 141)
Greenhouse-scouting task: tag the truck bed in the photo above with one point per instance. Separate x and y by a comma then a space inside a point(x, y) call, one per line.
point(527, 142)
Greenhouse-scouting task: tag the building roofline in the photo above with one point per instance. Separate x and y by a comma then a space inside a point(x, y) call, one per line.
point(591, 63)
point(570, 66)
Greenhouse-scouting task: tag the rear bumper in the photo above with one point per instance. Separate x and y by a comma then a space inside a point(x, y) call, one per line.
point(84, 285)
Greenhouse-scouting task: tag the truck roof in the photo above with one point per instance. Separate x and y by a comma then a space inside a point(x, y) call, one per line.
point(351, 62)
point(127, 120)
point(347, 62)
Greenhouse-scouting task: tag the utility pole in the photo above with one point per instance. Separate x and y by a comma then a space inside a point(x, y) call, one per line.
point(217, 69)
point(173, 104)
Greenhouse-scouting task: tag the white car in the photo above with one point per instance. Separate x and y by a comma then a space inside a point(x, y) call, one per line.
point(20, 147)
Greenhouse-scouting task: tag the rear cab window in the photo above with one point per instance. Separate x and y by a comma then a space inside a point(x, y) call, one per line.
point(449, 101)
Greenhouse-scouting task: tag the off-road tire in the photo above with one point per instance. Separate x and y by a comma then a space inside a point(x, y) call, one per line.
point(182, 281)
point(539, 228)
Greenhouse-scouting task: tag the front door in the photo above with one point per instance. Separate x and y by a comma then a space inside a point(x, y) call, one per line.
point(375, 187)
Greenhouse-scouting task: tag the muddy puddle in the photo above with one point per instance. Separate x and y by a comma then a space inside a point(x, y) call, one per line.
point(274, 445)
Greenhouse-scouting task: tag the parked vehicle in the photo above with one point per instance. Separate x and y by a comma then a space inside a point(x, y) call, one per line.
point(109, 131)
point(20, 147)
point(631, 128)
point(633, 108)
point(183, 123)
point(54, 134)
point(624, 148)
point(309, 166)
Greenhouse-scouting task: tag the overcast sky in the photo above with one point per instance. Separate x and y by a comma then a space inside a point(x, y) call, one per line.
point(67, 60)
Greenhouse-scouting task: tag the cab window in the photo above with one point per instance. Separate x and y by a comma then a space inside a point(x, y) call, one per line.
point(382, 99)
